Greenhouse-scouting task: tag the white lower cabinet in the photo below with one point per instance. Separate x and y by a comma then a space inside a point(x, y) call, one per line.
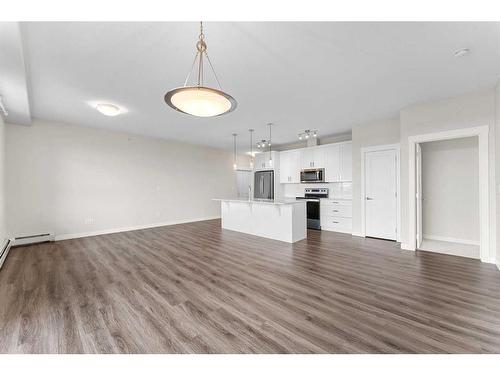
point(336, 215)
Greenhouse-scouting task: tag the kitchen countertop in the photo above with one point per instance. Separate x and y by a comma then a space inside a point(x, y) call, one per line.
point(261, 201)
point(328, 199)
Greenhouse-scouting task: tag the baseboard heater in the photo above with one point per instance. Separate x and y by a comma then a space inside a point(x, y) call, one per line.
point(4, 251)
point(36, 238)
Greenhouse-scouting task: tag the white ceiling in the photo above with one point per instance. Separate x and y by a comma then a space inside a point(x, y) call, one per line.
point(325, 76)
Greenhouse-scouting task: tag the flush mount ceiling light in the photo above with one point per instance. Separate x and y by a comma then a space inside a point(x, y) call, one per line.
point(461, 52)
point(199, 100)
point(306, 134)
point(108, 109)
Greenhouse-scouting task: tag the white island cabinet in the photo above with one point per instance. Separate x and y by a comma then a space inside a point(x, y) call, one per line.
point(283, 220)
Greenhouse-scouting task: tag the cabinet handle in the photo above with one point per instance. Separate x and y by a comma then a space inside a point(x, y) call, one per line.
point(336, 202)
point(335, 222)
point(335, 210)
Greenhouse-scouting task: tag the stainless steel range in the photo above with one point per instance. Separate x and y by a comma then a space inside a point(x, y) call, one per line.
point(313, 196)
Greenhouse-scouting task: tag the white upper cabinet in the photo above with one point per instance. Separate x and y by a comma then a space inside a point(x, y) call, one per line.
point(306, 158)
point(346, 167)
point(312, 157)
point(263, 161)
point(290, 167)
point(332, 165)
point(335, 158)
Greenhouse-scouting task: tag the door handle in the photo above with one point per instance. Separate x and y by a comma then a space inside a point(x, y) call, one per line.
point(369, 199)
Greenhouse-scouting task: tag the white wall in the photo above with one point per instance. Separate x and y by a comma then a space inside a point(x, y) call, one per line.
point(497, 169)
point(470, 110)
point(450, 186)
point(376, 133)
point(3, 226)
point(69, 180)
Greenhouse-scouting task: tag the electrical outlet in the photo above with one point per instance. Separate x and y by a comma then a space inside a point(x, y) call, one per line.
point(89, 220)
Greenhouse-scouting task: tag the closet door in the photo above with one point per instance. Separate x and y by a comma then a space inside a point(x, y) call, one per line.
point(380, 194)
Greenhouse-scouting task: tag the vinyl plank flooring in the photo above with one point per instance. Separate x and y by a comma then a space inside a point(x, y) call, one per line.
point(195, 288)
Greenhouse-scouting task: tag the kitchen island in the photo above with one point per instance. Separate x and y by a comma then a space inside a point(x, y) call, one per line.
point(283, 220)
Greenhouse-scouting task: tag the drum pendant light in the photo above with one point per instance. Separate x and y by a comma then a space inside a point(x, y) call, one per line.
point(199, 100)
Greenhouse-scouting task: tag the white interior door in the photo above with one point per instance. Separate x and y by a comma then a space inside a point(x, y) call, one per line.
point(418, 195)
point(381, 194)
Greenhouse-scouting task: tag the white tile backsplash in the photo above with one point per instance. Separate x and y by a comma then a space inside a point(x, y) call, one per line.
point(338, 190)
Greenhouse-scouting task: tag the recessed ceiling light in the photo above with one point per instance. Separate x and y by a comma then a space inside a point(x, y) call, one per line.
point(108, 109)
point(461, 52)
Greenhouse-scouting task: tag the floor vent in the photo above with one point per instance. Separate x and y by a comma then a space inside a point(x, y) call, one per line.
point(36, 238)
point(4, 251)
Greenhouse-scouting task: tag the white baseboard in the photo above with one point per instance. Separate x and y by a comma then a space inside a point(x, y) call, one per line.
point(407, 247)
point(451, 239)
point(357, 234)
point(29, 240)
point(4, 254)
point(61, 237)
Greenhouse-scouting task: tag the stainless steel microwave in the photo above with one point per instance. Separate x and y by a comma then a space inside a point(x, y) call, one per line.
point(312, 175)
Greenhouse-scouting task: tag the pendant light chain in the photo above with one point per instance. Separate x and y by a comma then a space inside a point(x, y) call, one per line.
point(201, 48)
point(270, 142)
point(234, 151)
point(251, 142)
point(251, 148)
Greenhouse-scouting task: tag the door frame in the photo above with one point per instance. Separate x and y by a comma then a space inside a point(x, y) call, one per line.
point(418, 196)
point(391, 147)
point(484, 183)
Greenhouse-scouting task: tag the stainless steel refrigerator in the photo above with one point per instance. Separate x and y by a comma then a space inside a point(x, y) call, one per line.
point(263, 185)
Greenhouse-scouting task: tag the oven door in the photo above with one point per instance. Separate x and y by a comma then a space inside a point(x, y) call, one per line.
point(312, 175)
point(313, 221)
